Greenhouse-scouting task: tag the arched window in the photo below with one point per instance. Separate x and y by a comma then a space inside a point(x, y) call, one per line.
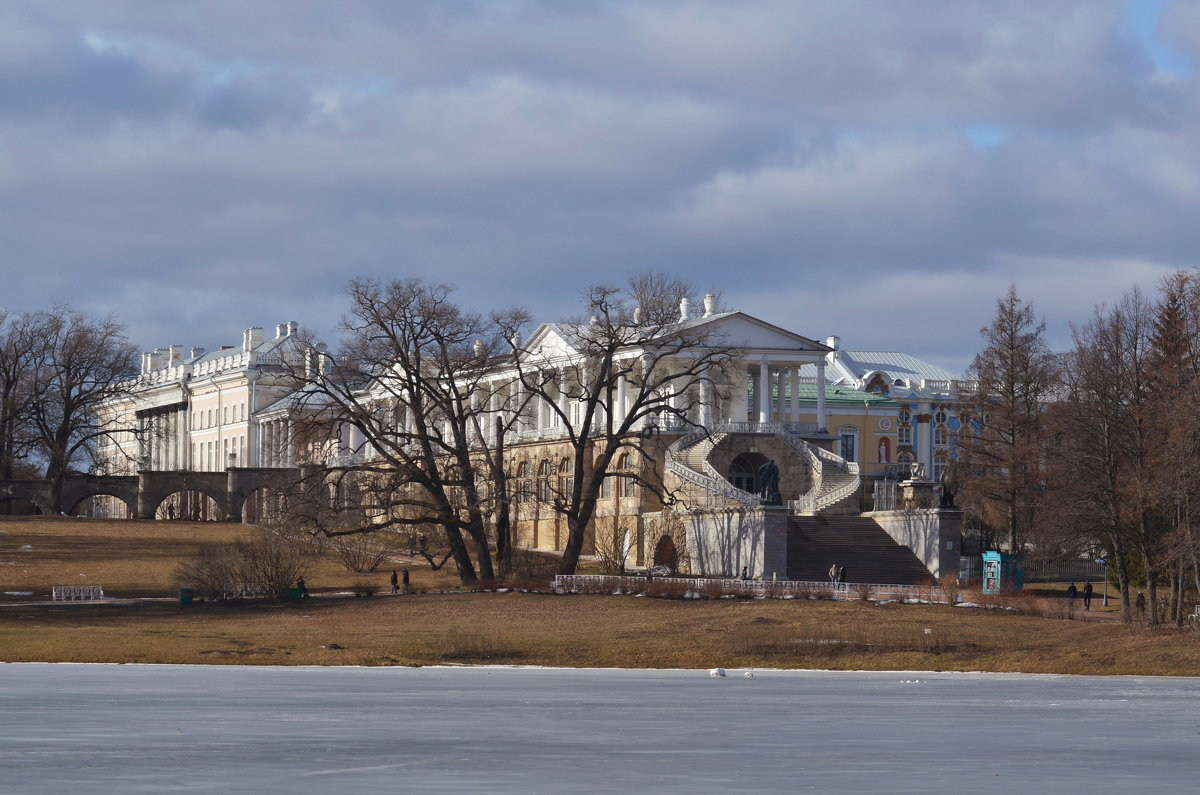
point(523, 472)
point(545, 472)
point(905, 458)
point(566, 477)
point(905, 417)
point(625, 464)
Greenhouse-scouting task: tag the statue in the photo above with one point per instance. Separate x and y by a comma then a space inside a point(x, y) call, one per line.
point(768, 483)
point(883, 457)
point(946, 499)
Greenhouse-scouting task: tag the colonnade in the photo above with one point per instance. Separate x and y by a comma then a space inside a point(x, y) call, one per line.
point(771, 386)
point(162, 434)
point(276, 443)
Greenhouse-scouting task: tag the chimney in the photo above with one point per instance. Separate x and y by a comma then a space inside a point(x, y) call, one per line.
point(292, 327)
point(479, 348)
point(145, 362)
point(637, 316)
point(685, 308)
point(710, 305)
point(196, 353)
point(280, 330)
point(254, 337)
point(836, 344)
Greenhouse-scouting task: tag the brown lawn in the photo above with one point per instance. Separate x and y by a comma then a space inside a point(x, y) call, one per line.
point(137, 559)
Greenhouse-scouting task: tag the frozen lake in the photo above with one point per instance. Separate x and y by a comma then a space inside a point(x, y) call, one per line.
point(163, 729)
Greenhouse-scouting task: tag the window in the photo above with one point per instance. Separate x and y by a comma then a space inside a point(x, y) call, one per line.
point(905, 458)
point(523, 472)
point(629, 483)
point(941, 436)
point(566, 478)
point(226, 415)
point(940, 417)
point(846, 447)
point(904, 435)
point(939, 466)
point(545, 471)
point(905, 417)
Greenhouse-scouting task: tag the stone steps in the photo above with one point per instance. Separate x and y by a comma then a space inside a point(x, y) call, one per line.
point(869, 554)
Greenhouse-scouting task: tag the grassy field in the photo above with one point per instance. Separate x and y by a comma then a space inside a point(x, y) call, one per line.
point(441, 625)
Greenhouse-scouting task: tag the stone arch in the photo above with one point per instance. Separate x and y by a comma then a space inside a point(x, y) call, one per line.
point(665, 552)
point(19, 506)
point(106, 508)
point(27, 492)
point(743, 471)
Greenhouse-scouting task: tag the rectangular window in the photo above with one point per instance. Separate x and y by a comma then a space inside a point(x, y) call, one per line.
point(904, 434)
point(847, 446)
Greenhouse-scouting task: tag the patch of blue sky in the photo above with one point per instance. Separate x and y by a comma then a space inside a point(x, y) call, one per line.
point(986, 135)
point(1142, 18)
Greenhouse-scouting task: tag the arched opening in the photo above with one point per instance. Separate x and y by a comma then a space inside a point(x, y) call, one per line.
point(18, 506)
point(102, 506)
point(665, 553)
point(192, 505)
point(743, 471)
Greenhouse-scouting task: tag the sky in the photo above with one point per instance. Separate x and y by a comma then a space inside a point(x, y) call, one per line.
point(881, 171)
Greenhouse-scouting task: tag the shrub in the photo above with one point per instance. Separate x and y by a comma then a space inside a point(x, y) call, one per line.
point(268, 563)
point(359, 552)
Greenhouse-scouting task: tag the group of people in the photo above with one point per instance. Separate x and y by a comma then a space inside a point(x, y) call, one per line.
point(1073, 592)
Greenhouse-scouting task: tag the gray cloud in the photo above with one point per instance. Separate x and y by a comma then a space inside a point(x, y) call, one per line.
point(877, 170)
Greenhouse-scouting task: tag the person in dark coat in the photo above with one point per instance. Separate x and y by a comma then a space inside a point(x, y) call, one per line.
point(404, 579)
point(395, 582)
point(1072, 592)
point(1087, 596)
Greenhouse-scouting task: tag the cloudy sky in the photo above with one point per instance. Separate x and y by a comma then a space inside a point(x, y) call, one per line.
point(877, 170)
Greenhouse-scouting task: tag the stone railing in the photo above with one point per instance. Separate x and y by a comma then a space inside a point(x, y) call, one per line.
point(76, 593)
point(714, 587)
point(817, 458)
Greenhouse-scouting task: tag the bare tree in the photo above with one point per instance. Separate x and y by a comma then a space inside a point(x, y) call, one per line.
point(411, 378)
point(21, 341)
point(1001, 442)
point(81, 363)
point(1097, 461)
point(630, 369)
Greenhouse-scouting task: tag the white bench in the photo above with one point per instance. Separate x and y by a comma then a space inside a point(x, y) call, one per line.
point(73, 593)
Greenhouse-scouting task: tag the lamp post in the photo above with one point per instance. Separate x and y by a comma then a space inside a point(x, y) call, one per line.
point(1104, 562)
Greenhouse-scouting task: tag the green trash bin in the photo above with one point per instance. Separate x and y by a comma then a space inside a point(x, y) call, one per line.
point(185, 596)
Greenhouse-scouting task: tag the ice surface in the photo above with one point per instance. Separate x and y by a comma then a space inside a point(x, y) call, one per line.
point(163, 729)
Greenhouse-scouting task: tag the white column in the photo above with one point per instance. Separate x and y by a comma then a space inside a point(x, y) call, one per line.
point(821, 396)
point(764, 392)
point(619, 414)
point(794, 416)
point(564, 400)
point(493, 412)
point(705, 390)
point(291, 443)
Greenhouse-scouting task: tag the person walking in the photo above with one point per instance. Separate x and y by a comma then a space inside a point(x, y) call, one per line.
point(1072, 592)
point(1087, 596)
point(395, 582)
point(404, 578)
point(1141, 604)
